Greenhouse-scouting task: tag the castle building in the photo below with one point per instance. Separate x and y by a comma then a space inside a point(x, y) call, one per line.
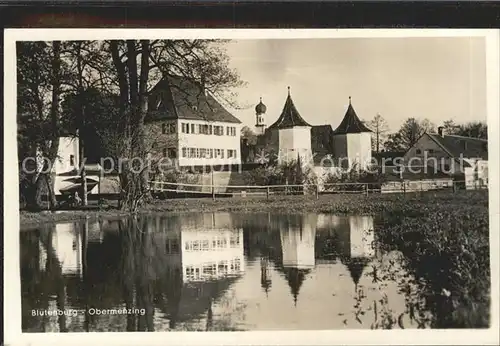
point(352, 141)
point(292, 137)
point(189, 127)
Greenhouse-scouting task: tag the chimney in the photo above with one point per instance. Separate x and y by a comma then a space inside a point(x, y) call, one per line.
point(441, 131)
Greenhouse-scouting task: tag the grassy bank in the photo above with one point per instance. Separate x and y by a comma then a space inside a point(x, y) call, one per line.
point(408, 205)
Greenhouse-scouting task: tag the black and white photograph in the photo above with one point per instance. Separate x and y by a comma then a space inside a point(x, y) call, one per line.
point(303, 181)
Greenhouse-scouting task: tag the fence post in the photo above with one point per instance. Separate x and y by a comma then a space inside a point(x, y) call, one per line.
point(317, 190)
point(286, 186)
point(454, 186)
point(404, 187)
point(366, 190)
point(267, 191)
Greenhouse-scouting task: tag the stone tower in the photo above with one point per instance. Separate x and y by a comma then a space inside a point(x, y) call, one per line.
point(294, 134)
point(352, 144)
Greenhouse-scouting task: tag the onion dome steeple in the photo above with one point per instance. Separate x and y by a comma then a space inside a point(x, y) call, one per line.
point(351, 123)
point(260, 108)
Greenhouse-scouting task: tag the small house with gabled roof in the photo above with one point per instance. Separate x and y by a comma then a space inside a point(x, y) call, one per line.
point(463, 158)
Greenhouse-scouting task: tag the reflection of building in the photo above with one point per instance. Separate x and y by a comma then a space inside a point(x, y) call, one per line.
point(65, 244)
point(360, 250)
point(297, 243)
point(202, 256)
point(211, 254)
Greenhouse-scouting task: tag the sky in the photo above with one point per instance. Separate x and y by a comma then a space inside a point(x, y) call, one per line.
point(434, 78)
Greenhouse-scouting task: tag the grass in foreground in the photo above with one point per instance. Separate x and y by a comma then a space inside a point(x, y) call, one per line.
point(409, 205)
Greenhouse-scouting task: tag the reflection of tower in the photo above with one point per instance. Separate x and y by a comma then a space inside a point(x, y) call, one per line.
point(66, 243)
point(297, 244)
point(361, 237)
point(265, 275)
point(260, 118)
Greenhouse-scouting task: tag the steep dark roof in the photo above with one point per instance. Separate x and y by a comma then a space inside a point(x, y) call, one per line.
point(356, 267)
point(469, 147)
point(351, 123)
point(295, 278)
point(289, 117)
point(180, 98)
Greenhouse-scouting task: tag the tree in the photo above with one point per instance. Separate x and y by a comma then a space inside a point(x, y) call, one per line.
point(408, 134)
point(87, 72)
point(380, 128)
point(137, 66)
point(476, 129)
point(80, 72)
point(40, 73)
point(394, 143)
point(248, 134)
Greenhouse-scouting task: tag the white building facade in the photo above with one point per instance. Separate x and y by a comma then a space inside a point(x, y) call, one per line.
point(294, 134)
point(352, 141)
point(192, 130)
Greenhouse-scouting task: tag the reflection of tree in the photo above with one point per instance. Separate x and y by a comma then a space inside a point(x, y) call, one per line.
point(265, 279)
point(53, 276)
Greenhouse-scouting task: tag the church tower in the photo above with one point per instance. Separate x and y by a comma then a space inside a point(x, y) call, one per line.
point(352, 141)
point(260, 118)
point(294, 134)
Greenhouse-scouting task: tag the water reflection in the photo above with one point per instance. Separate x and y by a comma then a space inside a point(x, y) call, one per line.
point(214, 271)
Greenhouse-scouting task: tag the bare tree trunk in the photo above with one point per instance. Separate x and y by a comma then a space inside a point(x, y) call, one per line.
point(54, 118)
point(143, 108)
point(81, 132)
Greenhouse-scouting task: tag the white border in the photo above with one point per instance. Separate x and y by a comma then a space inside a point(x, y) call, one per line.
point(12, 314)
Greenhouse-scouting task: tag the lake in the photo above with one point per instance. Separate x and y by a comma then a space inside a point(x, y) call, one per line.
point(216, 272)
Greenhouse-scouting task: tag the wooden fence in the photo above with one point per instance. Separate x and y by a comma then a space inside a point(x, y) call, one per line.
point(164, 189)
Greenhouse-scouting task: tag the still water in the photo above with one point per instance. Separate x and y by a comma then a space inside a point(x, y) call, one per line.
point(215, 271)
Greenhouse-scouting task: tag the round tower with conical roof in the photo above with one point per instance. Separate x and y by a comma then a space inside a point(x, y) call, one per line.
point(260, 118)
point(352, 141)
point(294, 134)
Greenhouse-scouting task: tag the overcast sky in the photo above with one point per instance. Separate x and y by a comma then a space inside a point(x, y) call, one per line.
point(434, 78)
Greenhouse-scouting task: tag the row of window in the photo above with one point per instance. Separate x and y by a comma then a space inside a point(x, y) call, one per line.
point(215, 243)
point(209, 269)
point(201, 129)
point(205, 153)
point(200, 153)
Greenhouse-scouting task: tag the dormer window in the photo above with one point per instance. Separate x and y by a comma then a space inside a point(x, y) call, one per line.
point(195, 108)
point(72, 160)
